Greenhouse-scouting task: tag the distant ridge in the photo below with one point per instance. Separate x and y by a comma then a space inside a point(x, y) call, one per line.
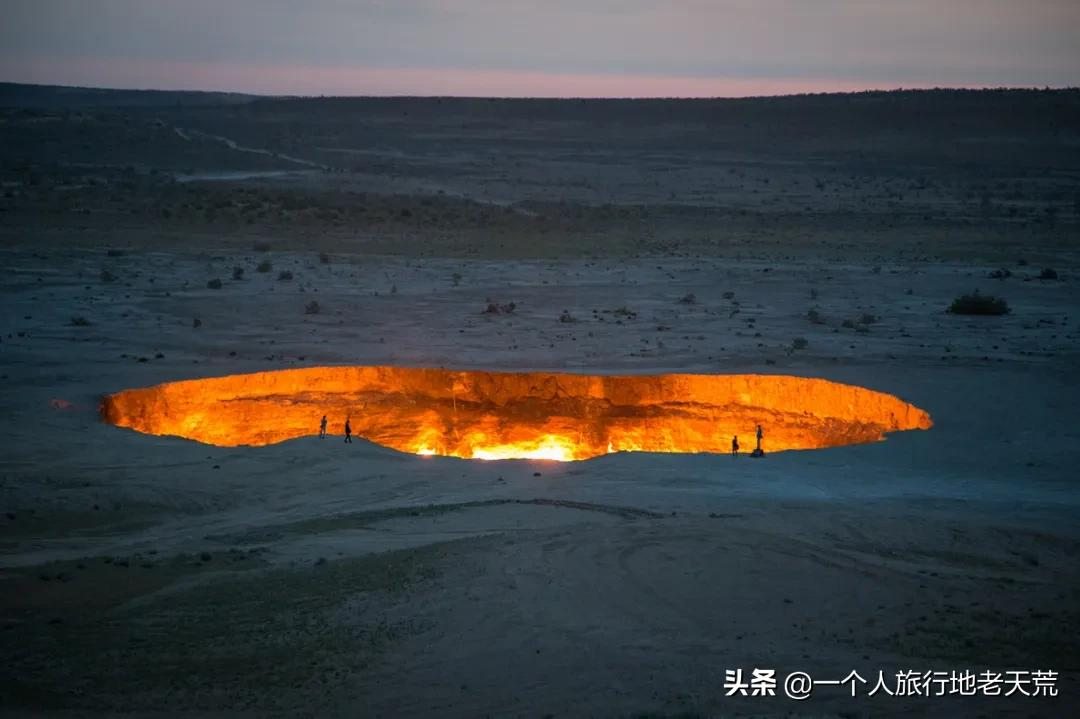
point(13, 94)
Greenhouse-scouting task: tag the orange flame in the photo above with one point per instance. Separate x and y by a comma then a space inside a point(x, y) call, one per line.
point(531, 415)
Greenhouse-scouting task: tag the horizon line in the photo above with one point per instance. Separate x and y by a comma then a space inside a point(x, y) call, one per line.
point(436, 96)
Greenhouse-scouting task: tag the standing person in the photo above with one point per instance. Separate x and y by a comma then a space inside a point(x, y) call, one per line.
point(322, 427)
point(348, 431)
point(735, 446)
point(758, 451)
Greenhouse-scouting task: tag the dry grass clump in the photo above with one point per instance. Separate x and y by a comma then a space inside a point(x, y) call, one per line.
point(978, 304)
point(494, 308)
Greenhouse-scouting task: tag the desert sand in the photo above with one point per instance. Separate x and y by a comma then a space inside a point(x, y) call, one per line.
point(160, 576)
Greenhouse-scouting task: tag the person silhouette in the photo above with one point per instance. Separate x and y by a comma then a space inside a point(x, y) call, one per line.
point(735, 446)
point(758, 451)
point(348, 431)
point(322, 427)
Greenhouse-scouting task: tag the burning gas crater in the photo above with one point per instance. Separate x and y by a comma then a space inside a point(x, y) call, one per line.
point(502, 415)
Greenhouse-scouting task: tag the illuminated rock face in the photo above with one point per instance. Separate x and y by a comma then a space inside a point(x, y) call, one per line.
point(501, 415)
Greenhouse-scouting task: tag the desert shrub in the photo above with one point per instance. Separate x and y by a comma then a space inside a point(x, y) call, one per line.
point(312, 308)
point(238, 273)
point(80, 321)
point(566, 317)
point(815, 316)
point(729, 295)
point(868, 319)
point(688, 299)
point(214, 284)
point(848, 324)
point(1000, 274)
point(1048, 274)
point(261, 246)
point(978, 304)
point(285, 276)
point(799, 343)
point(497, 309)
point(114, 253)
point(324, 258)
point(456, 278)
point(107, 276)
point(196, 323)
point(264, 266)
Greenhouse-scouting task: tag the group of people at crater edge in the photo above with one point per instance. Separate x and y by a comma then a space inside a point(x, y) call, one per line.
point(758, 451)
point(348, 429)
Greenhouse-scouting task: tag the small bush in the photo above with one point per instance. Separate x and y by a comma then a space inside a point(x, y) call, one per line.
point(848, 324)
point(264, 266)
point(107, 276)
point(238, 273)
point(496, 309)
point(456, 278)
point(566, 317)
point(868, 319)
point(284, 276)
point(1000, 274)
point(688, 299)
point(728, 295)
point(815, 316)
point(312, 308)
point(324, 258)
point(261, 246)
point(1048, 274)
point(80, 322)
point(977, 304)
point(214, 284)
point(799, 343)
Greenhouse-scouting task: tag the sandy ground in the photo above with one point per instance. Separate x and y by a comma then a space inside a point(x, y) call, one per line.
point(313, 578)
point(153, 576)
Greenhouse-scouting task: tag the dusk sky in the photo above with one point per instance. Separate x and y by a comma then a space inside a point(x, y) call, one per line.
point(540, 48)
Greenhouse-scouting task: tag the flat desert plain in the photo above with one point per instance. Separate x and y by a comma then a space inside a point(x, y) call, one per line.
point(819, 237)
